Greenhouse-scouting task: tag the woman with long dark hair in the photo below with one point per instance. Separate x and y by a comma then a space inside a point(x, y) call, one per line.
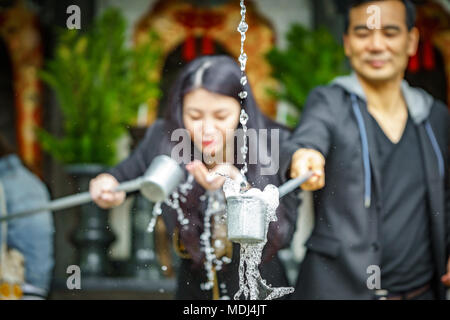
point(204, 101)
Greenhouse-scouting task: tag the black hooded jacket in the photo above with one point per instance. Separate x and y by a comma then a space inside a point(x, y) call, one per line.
point(346, 236)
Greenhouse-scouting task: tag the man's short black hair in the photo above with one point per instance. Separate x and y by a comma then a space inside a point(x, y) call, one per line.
point(410, 12)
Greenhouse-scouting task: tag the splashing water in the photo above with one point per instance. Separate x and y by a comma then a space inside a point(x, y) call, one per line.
point(247, 278)
point(173, 201)
point(251, 285)
point(215, 206)
point(155, 213)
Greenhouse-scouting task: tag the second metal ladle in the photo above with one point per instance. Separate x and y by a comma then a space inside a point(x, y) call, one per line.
point(161, 178)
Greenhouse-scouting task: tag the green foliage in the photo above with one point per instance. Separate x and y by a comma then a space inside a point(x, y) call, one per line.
point(99, 84)
point(311, 58)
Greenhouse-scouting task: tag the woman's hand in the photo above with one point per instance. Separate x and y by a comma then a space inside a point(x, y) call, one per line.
point(212, 179)
point(101, 190)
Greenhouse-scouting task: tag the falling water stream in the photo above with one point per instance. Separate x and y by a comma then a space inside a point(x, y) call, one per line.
point(242, 28)
point(251, 285)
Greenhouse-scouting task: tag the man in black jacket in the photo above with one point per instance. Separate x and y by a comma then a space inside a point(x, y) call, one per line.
point(382, 224)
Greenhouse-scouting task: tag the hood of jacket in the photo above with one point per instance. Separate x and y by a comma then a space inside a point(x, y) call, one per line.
point(418, 101)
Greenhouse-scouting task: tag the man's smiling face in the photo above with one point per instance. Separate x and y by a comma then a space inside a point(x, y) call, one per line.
point(380, 54)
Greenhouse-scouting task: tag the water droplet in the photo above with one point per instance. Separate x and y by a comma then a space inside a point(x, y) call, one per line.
point(243, 58)
point(218, 244)
point(243, 94)
point(243, 27)
point(244, 80)
point(244, 117)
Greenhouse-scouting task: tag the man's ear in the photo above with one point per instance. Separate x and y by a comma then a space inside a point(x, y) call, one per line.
point(413, 41)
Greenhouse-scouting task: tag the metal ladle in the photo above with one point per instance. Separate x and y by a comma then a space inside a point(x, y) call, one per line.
point(246, 215)
point(160, 179)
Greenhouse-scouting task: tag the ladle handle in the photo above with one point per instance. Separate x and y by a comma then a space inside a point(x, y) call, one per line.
point(72, 201)
point(292, 184)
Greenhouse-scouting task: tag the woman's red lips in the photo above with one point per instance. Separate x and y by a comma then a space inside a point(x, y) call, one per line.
point(207, 143)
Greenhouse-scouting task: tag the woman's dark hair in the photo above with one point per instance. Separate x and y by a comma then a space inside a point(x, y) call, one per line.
point(5, 147)
point(222, 75)
point(409, 7)
point(218, 74)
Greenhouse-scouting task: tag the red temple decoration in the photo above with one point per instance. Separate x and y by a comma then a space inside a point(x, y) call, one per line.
point(433, 22)
point(20, 31)
point(180, 23)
